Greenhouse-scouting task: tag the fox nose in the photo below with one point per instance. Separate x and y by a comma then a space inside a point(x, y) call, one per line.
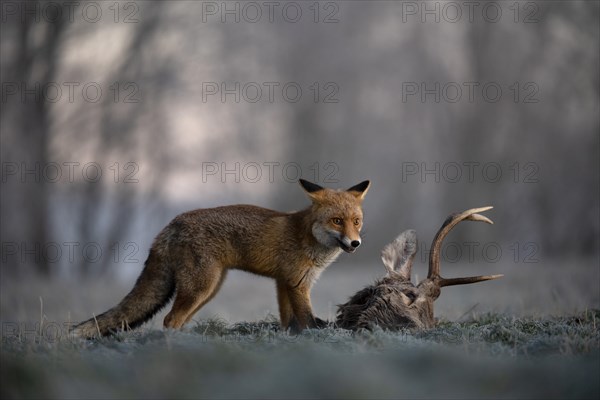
point(355, 243)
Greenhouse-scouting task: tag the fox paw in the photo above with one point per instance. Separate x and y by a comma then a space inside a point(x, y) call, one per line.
point(321, 324)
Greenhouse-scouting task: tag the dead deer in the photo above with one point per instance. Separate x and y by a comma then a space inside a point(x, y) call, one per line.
point(394, 302)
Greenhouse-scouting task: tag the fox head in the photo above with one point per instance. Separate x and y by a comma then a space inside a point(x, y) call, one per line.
point(337, 216)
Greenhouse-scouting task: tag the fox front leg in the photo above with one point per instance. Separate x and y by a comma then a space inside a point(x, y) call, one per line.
point(286, 313)
point(301, 305)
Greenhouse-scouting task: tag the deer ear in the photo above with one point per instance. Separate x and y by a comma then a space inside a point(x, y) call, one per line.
point(312, 189)
point(360, 190)
point(398, 255)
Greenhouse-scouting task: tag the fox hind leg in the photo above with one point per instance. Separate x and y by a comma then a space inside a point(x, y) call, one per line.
point(194, 287)
point(213, 294)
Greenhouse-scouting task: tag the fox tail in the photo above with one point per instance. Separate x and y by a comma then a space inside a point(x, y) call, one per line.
point(151, 292)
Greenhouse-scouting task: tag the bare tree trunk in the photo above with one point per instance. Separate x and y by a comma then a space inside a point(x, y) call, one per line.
point(28, 192)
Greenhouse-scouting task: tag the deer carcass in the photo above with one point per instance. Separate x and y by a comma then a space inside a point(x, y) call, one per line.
point(394, 302)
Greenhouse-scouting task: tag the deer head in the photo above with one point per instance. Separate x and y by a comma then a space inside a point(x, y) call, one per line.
point(394, 302)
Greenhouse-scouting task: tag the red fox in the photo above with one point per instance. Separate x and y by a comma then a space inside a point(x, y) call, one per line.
point(191, 256)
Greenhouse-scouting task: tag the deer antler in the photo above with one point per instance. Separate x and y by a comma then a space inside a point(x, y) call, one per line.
point(434, 255)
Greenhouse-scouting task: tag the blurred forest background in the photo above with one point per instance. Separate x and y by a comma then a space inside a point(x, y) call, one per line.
point(117, 116)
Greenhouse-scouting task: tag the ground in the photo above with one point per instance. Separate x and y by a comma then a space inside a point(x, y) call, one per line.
point(492, 356)
point(533, 334)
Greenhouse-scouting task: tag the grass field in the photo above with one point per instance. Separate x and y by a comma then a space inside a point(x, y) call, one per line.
point(534, 334)
point(493, 356)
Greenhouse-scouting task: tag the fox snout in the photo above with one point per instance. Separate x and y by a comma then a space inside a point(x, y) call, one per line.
point(349, 245)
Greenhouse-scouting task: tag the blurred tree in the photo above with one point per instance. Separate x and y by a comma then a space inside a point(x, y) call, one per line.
point(25, 198)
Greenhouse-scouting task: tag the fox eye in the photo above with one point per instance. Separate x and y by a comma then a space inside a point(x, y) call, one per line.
point(356, 221)
point(336, 221)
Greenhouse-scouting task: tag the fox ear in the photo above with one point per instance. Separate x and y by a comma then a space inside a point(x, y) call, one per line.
point(312, 189)
point(309, 186)
point(360, 190)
